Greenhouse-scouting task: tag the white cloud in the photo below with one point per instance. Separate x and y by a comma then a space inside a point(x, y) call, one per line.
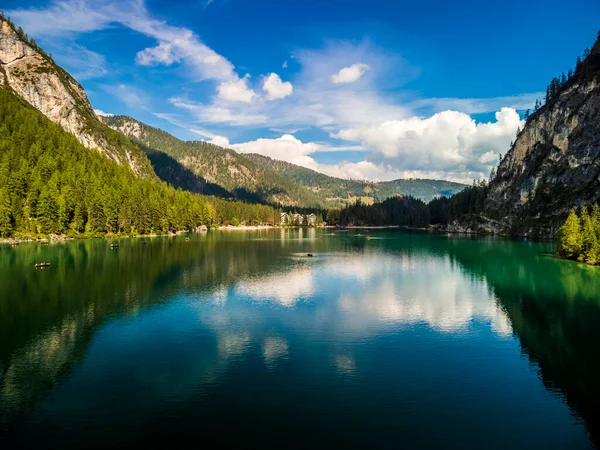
point(221, 141)
point(285, 148)
point(236, 90)
point(449, 141)
point(448, 145)
point(62, 17)
point(350, 74)
point(175, 44)
point(373, 112)
point(275, 88)
point(99, 112)
point(315, 101)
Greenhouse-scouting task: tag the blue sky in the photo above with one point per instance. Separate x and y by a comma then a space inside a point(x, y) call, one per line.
point(364, 89)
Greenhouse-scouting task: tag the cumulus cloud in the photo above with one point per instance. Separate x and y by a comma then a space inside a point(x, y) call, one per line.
point(448, 145)
point(236, 90)
point(285, 148)
point(315, 101)
point(374, 114)
point(99, 112)
point(350, 74)
point(449, 141)
point(221, 141)
point(275, 88)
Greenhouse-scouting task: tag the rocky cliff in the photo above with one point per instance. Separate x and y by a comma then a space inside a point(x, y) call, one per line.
point(554, 164)
point(33, 75)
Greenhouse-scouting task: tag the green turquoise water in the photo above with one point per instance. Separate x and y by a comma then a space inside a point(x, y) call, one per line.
point(238, 339)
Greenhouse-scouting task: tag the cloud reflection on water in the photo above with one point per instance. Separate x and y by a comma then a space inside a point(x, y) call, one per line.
point(365, 292)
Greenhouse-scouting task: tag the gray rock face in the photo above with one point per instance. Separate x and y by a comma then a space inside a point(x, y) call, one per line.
point(11, 47)
point(34, 77)
point(130, 128)
point(554, 165)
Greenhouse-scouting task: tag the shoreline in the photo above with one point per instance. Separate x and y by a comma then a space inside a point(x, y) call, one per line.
point(246, 227)
point(201, 229)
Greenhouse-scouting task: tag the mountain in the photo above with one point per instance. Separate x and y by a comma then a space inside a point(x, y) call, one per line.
point(30, 74)
point(340, 191)
point(209, 169)
point(50, 183)
point(64, 172)
point(554, 164)
point(34, 76)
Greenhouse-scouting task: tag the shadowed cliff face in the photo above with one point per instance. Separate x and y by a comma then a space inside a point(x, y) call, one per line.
point(34, 76)
point(554, 164)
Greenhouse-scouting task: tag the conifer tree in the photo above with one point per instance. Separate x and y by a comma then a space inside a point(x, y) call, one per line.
point(5, 214)
point(569, 237)
point(589, 248)
point(596, 219)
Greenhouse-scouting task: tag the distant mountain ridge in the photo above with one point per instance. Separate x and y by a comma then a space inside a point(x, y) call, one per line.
point(210, 169)
point(340, 190)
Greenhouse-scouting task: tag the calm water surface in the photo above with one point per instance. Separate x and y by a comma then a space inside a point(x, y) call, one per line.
point(402, 341)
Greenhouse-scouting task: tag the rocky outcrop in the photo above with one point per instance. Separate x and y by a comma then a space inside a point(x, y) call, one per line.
point(130, 128)
point(34, 76)
point(554, 164)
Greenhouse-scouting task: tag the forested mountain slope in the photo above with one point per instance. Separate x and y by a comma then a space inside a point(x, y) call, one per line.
point(554, 164)
point(210, 169)
point(34, 76)
point(207, 168)
point(51, 184)
point(340, 191)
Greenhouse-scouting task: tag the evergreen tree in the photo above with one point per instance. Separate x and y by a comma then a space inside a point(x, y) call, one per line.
point(6, 226)
point(589, 241)
point(596, 219)
point(51, 183)
point(570, 239)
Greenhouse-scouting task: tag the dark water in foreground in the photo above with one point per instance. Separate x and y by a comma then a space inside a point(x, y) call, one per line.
point(402, 341)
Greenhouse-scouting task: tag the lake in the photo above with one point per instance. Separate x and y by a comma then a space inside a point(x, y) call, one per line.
point(231, 339)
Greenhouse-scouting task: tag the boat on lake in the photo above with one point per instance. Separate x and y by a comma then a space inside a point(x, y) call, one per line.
point(44, 264)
